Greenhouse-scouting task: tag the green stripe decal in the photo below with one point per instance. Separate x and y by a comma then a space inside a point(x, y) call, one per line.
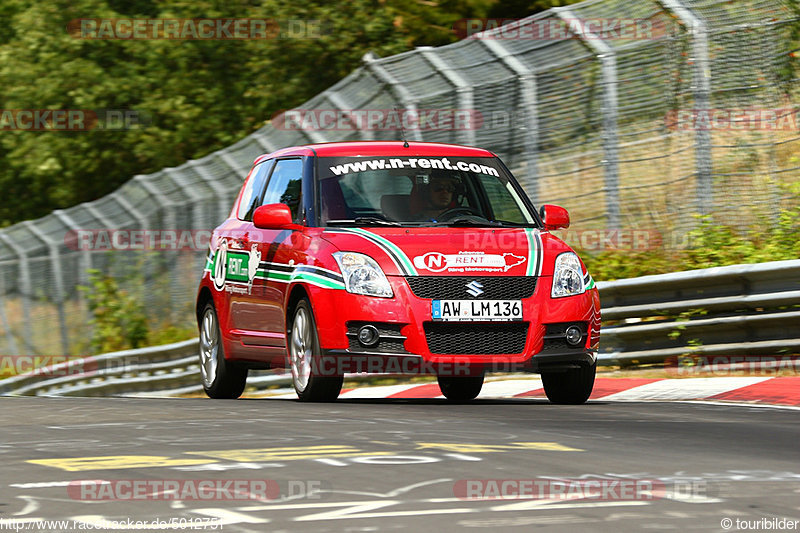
point(308, 277)
point(407, 264)
point(317, 280)
point(532, 252)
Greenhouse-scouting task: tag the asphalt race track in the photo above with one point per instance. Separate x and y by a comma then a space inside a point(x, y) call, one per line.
point(395, 465)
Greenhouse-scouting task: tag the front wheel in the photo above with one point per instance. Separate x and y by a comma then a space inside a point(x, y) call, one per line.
point(304, 356)
point(460, 389)
point(222, 379)
point(571, 387)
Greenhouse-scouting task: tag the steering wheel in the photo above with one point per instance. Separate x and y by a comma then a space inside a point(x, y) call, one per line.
point(459, 210)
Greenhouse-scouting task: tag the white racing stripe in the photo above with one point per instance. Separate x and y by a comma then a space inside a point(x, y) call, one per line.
point(509, 388)
point(377, 392)
point(684, 389)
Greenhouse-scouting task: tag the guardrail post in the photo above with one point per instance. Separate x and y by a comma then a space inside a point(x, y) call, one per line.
point(395, 87)
point(530, 113)
point(608, 62)
point(701, 86)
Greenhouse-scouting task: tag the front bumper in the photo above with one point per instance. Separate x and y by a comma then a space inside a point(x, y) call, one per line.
point(406, 322)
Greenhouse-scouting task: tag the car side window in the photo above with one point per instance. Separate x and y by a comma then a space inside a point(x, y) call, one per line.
point(254, 190)
point(285, 185)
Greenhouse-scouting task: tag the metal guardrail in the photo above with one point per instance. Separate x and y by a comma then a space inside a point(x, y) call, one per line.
point(733, 310)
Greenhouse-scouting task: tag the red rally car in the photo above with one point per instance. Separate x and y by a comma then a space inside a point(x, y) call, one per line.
point(401, 257)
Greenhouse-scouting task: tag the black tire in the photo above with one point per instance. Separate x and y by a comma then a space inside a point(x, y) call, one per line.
point(304, 348)
point(572, 387)
point(460, 389)
point(222, 379)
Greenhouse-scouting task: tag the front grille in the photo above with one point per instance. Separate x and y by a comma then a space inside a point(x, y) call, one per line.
point(472, 338)
point(455, 287)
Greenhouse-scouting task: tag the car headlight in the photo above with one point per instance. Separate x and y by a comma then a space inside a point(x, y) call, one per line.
point(567, 276)
point(362, 275)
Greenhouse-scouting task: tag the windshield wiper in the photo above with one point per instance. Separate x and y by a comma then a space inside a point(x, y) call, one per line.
point(363, 221)
point(466, 222)
point(516, 224)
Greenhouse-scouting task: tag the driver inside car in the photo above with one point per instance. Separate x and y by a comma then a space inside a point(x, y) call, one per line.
point(438, 195)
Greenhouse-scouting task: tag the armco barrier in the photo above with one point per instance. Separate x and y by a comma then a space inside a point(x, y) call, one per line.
point(733, 310)
point(626, 133)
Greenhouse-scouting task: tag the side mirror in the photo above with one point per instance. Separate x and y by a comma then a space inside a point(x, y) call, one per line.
point(554, 216)
point(273, 216)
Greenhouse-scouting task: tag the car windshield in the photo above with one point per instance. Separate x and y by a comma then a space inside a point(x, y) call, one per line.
point(418, 191)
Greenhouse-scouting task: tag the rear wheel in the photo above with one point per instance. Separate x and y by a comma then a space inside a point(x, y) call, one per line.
point(572, 387)
point(304, 356)
point(222, 379)
point(460, 389)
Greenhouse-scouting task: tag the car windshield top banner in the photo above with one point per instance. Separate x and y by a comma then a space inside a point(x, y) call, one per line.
point(330, 167)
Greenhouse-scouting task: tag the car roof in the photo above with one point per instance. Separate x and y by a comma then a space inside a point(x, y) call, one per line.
point(380, 148)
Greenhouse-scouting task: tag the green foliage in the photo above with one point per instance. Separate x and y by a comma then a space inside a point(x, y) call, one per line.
point(708, 245)
point(119, 321)
point(201, 95)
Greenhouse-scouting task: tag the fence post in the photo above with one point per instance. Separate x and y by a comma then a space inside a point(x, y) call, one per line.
point(701, 86)
point(85, 259)
point(221, 193)
point(25, 289)
point(530, 113)
point(608, 63)
point(12, 342)
point(55, 264)
point(398, 89)
point(463, 91)
point(335, 98)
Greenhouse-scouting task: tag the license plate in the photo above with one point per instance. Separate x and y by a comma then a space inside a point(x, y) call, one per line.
point(476, 310)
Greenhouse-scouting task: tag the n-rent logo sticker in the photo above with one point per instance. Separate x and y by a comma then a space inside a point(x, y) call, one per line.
point(234, 266)
point(468, 261)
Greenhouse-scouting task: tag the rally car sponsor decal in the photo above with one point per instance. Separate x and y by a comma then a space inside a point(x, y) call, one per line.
point(468, 261)
point(235, 271)
point(442, 163)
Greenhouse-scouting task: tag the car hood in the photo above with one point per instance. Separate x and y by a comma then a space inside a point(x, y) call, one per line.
point(453, 251)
